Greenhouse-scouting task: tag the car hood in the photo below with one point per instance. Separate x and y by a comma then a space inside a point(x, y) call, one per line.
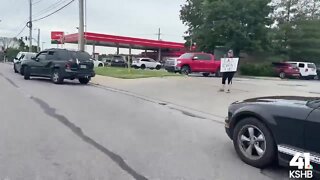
point(280, 100)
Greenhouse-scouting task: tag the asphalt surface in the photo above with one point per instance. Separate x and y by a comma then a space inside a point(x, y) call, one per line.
point(75, 131)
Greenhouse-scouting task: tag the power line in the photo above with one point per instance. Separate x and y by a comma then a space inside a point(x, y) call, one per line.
point(24, 27)
point(53, 12)
point(51, 7)
point(36, 2)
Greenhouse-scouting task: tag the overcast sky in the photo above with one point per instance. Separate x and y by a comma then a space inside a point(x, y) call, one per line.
point(137, 18)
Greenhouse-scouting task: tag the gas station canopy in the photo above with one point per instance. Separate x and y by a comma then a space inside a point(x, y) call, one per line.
point(97, 39)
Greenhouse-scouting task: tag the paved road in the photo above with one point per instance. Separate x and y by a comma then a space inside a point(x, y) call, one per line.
point(79, 132)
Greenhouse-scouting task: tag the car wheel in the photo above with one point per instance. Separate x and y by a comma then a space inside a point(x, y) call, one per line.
point(254, 143)
point(100, 65)
point(14, 68)
point(84, 80)
point(56, 77)
point(26, 72)
point(282, 75)
point(143, 66)
point(158, 67)
point(316, 77)
point(185, 70)
point(205, 74)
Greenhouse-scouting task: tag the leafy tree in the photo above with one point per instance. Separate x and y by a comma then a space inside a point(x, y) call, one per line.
point(304, 41)
point(240, 25)
point(286, 15)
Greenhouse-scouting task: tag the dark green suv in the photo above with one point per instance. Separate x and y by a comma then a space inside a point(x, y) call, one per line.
point(59, 64)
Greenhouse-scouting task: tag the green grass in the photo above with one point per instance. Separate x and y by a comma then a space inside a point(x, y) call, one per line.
point(124, 73)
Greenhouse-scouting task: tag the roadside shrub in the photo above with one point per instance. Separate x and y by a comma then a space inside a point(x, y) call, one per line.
point(257, 70)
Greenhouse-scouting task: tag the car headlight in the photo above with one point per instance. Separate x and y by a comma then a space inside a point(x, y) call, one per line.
point(178, 62)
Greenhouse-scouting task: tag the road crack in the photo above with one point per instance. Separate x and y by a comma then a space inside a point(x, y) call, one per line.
point(78, 131)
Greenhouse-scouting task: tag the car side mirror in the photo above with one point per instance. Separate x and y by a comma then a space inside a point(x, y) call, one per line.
point(195, 58)
point(35, 59)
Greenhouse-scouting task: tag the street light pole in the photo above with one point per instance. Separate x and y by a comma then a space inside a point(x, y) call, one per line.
point(81, 25)
point(30, 26)
point(38, 40)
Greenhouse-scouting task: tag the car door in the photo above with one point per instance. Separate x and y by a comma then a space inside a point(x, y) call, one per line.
point(145, 61)
point(197, 64)
point(152, 63)
point(46, 63)
point(208, 63)
point(312, 137)
point(36, 66)
point(302, 69)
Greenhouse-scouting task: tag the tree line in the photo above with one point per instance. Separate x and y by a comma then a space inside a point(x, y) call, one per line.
point(288, 28)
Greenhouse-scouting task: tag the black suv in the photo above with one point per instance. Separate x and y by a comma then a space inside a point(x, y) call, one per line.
point(60, 64)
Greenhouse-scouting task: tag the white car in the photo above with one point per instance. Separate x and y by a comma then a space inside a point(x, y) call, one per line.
point(144, 63)
point(307, 70)
point(21, 56)
point(97, 63)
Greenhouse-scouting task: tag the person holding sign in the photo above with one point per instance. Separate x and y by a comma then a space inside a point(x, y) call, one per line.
point(228, 67)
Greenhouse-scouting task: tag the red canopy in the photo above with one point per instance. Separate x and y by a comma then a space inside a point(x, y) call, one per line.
point(124, 42)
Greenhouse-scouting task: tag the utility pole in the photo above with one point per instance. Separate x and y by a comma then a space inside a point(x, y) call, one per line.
point(159, 34)
point(30, 26)
point(81, 25)
point(159, 39)
point(38, 40)
point(42, 45)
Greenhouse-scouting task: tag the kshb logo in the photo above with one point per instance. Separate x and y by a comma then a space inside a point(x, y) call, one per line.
point(302, 162)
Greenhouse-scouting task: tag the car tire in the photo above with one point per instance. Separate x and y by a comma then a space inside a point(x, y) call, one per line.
point(100, 65)
point(26, 72)
point(158, 67)
point(84, 80)
point(282, 75)
point(143, 66)
point(185, 70)
point(56, 77)
point(14, 68)
point(205, 74)
point(316, 77)
point(261, 138)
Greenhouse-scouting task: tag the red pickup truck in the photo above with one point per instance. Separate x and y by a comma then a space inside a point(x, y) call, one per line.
point(194, 63)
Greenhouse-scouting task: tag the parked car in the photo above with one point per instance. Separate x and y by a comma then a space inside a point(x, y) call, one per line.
point(286, 70)
point(97, 63)
point(119, 61)
point(144, 63)
point(269, 129)
point(194, 63)
point(21, 56)
point(307, 70)
point(60, 64)
point(106, 61)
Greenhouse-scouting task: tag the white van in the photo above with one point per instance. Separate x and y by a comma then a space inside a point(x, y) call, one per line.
point(308, 70)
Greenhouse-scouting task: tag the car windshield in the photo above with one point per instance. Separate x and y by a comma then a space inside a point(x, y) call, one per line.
point(186, 56)
point(314, 102)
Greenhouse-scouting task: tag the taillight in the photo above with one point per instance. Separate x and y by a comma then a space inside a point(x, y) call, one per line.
point(68, 66)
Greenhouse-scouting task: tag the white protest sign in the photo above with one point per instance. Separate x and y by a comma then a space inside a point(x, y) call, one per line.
point(229, 64)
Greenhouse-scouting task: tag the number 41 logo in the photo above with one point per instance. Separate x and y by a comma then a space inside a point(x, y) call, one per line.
point(302, 161)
